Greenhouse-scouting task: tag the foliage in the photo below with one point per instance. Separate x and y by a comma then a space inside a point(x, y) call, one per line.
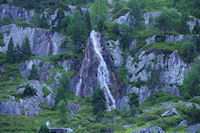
point(1, 40)
point(99, 11)
point(62, 111)
point(46, 91)
point(168, 122)
point(195, 99)
point(160, 97)
point(154, 80)
point(64, 81)
point(33, 73)
point(121, 12)
point(29, 91)
point(44, 129)
point(123, 74)
point(190, 113)
point(5, 21)
point(61, 95)
point(125, 39)
point(39, 21)
point(133, 100)
point(136, 13)
point(10, 52)
point(98, 101)
point(191, 83)
point(196, 36)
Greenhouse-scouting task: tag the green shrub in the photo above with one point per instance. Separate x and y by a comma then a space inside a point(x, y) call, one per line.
point(1, 40)
point(168, 122)
point(46, 91)
point(33, 74)
point(44, 129)
point(190, 113)
point(195, 99)
point(149, 117)
point(29, 91)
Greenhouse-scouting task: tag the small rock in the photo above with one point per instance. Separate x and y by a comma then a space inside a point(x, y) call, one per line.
point(169, 113)
point(194, 128)
point(183, 123)
point(70, 130)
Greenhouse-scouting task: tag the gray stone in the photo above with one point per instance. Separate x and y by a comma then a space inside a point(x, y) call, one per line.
point(42, 42)
point(194, 128)
point(154, 129)
point(74, 107)
point(42, 69)
point(116, 52)
point(15, 12)
point(169, 113)
point(183, 123)
point(10, 107)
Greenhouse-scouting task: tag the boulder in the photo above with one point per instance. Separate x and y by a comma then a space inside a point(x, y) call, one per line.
point(169, 113)
point(183, 123)
point(194, 128)
point(74, 107)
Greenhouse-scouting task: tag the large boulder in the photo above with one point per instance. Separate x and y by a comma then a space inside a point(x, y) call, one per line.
point(42, 42)
point(171, 112)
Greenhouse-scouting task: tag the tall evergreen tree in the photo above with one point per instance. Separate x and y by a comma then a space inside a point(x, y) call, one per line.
point(98, 101)
point(26, 49)
point(62, 111)
point(33, 74)
point(10, 52)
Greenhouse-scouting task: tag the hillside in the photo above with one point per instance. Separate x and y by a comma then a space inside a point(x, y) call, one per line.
point(90, 66)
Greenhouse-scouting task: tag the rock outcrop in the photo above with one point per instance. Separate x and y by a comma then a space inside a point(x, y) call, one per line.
point(194, 128)
point(15, 12)
point(10, 107)
point(154, 129)
point(42, 42)
point(42, 69)
point(90, 76)
point(168, 67)
point(169, 113)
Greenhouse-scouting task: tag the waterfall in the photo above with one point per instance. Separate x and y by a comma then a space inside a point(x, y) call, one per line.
point(103, 73)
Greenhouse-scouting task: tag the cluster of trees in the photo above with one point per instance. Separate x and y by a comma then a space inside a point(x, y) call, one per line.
point(39, 21)
point(17, 54)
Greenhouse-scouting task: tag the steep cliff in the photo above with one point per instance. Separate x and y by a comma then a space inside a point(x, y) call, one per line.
point(42, 42)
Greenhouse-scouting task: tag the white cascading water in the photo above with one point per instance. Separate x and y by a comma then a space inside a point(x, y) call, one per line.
point(103, 73)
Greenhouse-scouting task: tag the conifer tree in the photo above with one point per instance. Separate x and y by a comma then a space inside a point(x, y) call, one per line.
point(11, 52)
point(33, 74)
point(62, 111)
point(26, 49)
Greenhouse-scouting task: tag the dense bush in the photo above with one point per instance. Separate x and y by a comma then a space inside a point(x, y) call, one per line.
point(44, 129)
point(191, 83)
point(190, 113)
point(64, 81)
point(98, 101)
point(29, 91)
point(46, 91)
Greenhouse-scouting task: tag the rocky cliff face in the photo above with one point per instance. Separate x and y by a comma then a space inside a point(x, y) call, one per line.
point(96, 71)
point(15, 12)
point(169, 69)
point(43, 42)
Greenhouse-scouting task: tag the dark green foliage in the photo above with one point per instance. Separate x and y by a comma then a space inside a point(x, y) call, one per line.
point(125, 39)
point(61, 95)
point(5, 20)
point(168, 20)
point(116, 30)
point(136, 13)
point(10, 52)
point(77, 30)
point(62, 111)
point(39, 21)
point(29, 91)
point(26, 50)
point(33, 73)
point(168, 122)
point(64, 81)
point(191, 83)
point(1, 40)
point(98, 101)
point(196, 36)
point(100, 25)
point(195, 99)
point(183, 26)
point(160, 97)
point(133, 100)
point(117, 7)
point(88, 21)
point(44, 129)
point(191, 113)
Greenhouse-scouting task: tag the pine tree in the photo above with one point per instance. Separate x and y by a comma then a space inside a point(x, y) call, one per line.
point(44, 129)
point(88, 22)
point(60, 95)
point(33, 74)
point(26, 49)
point(62, 111)
point(11, 52)
point(98, 101)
